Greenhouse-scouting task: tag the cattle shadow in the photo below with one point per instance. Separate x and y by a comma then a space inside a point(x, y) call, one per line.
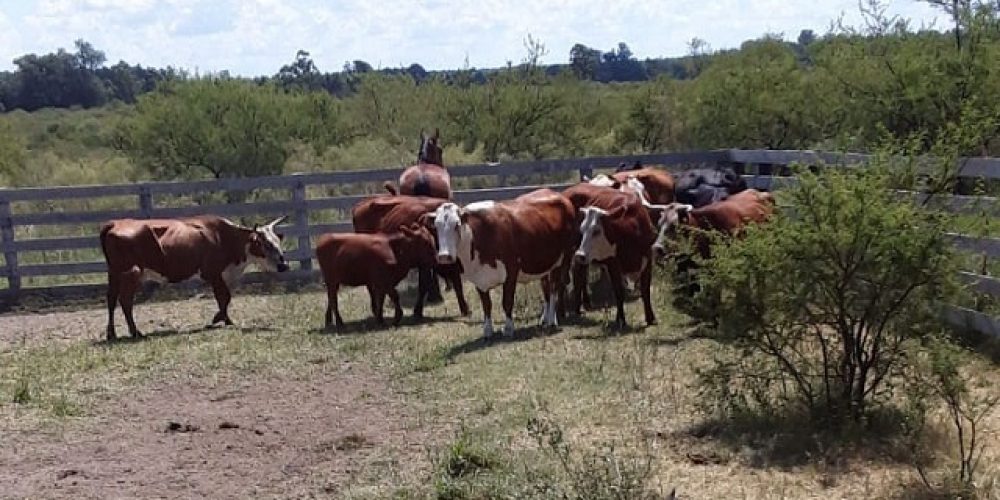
point(480, 343)
point(792, 440)
point(125, 339)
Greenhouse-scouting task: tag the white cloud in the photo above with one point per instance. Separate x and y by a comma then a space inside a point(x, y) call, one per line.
point(253, 37)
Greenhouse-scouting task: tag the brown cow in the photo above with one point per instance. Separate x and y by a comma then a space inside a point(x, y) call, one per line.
point(728, 217)
point(173, 250)
point(659, 183)
point(616, 232)
point(503, 243)
point(428, 177)
point(377, 261)
point(384, 214)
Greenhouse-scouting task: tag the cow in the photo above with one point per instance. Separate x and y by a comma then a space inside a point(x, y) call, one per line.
point(658, 184)
point(703, 186)
point(502, 243)
point(728, 217)
point(428, 177)
point(377, 261)
point(385, 214)
point(616, 232)
point(174, 250)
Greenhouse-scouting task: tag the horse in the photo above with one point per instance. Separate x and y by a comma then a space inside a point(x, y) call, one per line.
point(428, 177)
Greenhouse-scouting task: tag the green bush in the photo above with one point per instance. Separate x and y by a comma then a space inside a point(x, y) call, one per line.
point(825, 304)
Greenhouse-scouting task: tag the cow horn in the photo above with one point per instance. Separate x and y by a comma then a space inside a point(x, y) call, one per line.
point(277, 221)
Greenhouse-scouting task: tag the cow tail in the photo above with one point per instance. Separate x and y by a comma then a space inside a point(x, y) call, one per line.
point(391, 188)
point(105, 229)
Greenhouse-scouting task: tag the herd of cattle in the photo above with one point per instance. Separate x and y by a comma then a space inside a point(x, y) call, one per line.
point(623, 222)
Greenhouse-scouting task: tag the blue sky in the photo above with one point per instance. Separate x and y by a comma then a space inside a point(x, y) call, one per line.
point(256, 37)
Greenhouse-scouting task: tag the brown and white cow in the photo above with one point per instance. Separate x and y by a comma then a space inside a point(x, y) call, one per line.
point(385, 214)
point(658, 184)
point(174, 250)
point(377, 261)
point(615, 232)
point(503, 243)
point(727, 217)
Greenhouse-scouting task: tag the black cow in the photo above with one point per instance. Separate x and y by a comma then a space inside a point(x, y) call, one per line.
point(703, 186)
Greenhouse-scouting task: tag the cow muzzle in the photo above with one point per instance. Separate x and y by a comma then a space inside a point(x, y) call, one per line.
point(580, 258)
point(659, 251)
point(282, 267)
point(444, 258)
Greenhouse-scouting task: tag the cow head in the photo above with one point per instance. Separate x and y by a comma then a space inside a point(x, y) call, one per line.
point(419, 243)
point(671, 215)
point(447, 221)
point(634, 185)
point(595, 243)
point(264, 247)
point(430, 149)
point(604, 181)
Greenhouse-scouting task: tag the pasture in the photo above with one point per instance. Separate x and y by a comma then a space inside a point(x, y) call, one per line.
point(275, 407)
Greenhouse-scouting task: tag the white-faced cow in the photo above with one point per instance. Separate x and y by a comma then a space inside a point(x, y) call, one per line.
point(727, 217)
point(616, 232)
point(503, 243)
point(174, 250)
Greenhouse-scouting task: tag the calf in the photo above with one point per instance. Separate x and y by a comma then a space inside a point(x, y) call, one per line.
point(617, 233)
point(503, 243)
point(376, 261)
point(174, 250)
point(385, 214)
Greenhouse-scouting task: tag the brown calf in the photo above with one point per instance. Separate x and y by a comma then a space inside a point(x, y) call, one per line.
point(376, 261)
point(173, 250)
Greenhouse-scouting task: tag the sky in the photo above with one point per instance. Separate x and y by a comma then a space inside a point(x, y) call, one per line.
point(257, 37)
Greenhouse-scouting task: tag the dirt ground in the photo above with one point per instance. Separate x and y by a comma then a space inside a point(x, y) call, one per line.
point(234, 436)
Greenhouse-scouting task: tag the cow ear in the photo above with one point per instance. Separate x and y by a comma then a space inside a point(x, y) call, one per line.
point(427, 220)
point(403, 228)
point(281, 236)
point(463, 216)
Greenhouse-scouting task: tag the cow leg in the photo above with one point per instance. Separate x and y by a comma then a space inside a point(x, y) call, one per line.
point(423, 290)
point(484, 298)
point(579, 287)
point(129, 282)
point(332, 306)
point(430, 278)
point(454, 276)
point(378, 301)
point(615, 273)
point(550, 289)
point(222, 297)
point(394, 296)
point(645, 283)
point(509, 287)
point(113, 288)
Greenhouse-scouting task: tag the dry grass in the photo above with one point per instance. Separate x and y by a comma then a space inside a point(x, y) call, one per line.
point(633, 389)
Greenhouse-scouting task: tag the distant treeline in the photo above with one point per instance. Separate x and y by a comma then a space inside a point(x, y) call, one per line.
point(64, 79)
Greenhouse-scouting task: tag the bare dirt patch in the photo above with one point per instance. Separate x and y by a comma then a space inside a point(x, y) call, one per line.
point(227, 439)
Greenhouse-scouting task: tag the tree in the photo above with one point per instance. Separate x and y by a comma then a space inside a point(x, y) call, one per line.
point(226, 128)
point(584, 61)
point(806, 37)
point(300, 74)
point(89, 58)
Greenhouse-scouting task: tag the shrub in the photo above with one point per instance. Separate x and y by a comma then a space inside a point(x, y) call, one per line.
point(824, 304)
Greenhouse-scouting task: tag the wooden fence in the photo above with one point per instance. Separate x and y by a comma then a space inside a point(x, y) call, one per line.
point(25, 208)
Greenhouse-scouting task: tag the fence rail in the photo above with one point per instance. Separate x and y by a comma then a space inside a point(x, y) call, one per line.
point(757, 167)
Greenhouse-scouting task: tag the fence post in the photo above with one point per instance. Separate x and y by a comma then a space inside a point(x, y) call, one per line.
point(302, 224)
point(145, 202)
point(9, 255)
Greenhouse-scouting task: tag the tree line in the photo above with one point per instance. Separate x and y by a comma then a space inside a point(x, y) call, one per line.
point(848, 89)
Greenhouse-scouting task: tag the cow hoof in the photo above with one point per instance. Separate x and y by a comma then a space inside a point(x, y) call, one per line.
point(111, 336)
point(136, 334)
